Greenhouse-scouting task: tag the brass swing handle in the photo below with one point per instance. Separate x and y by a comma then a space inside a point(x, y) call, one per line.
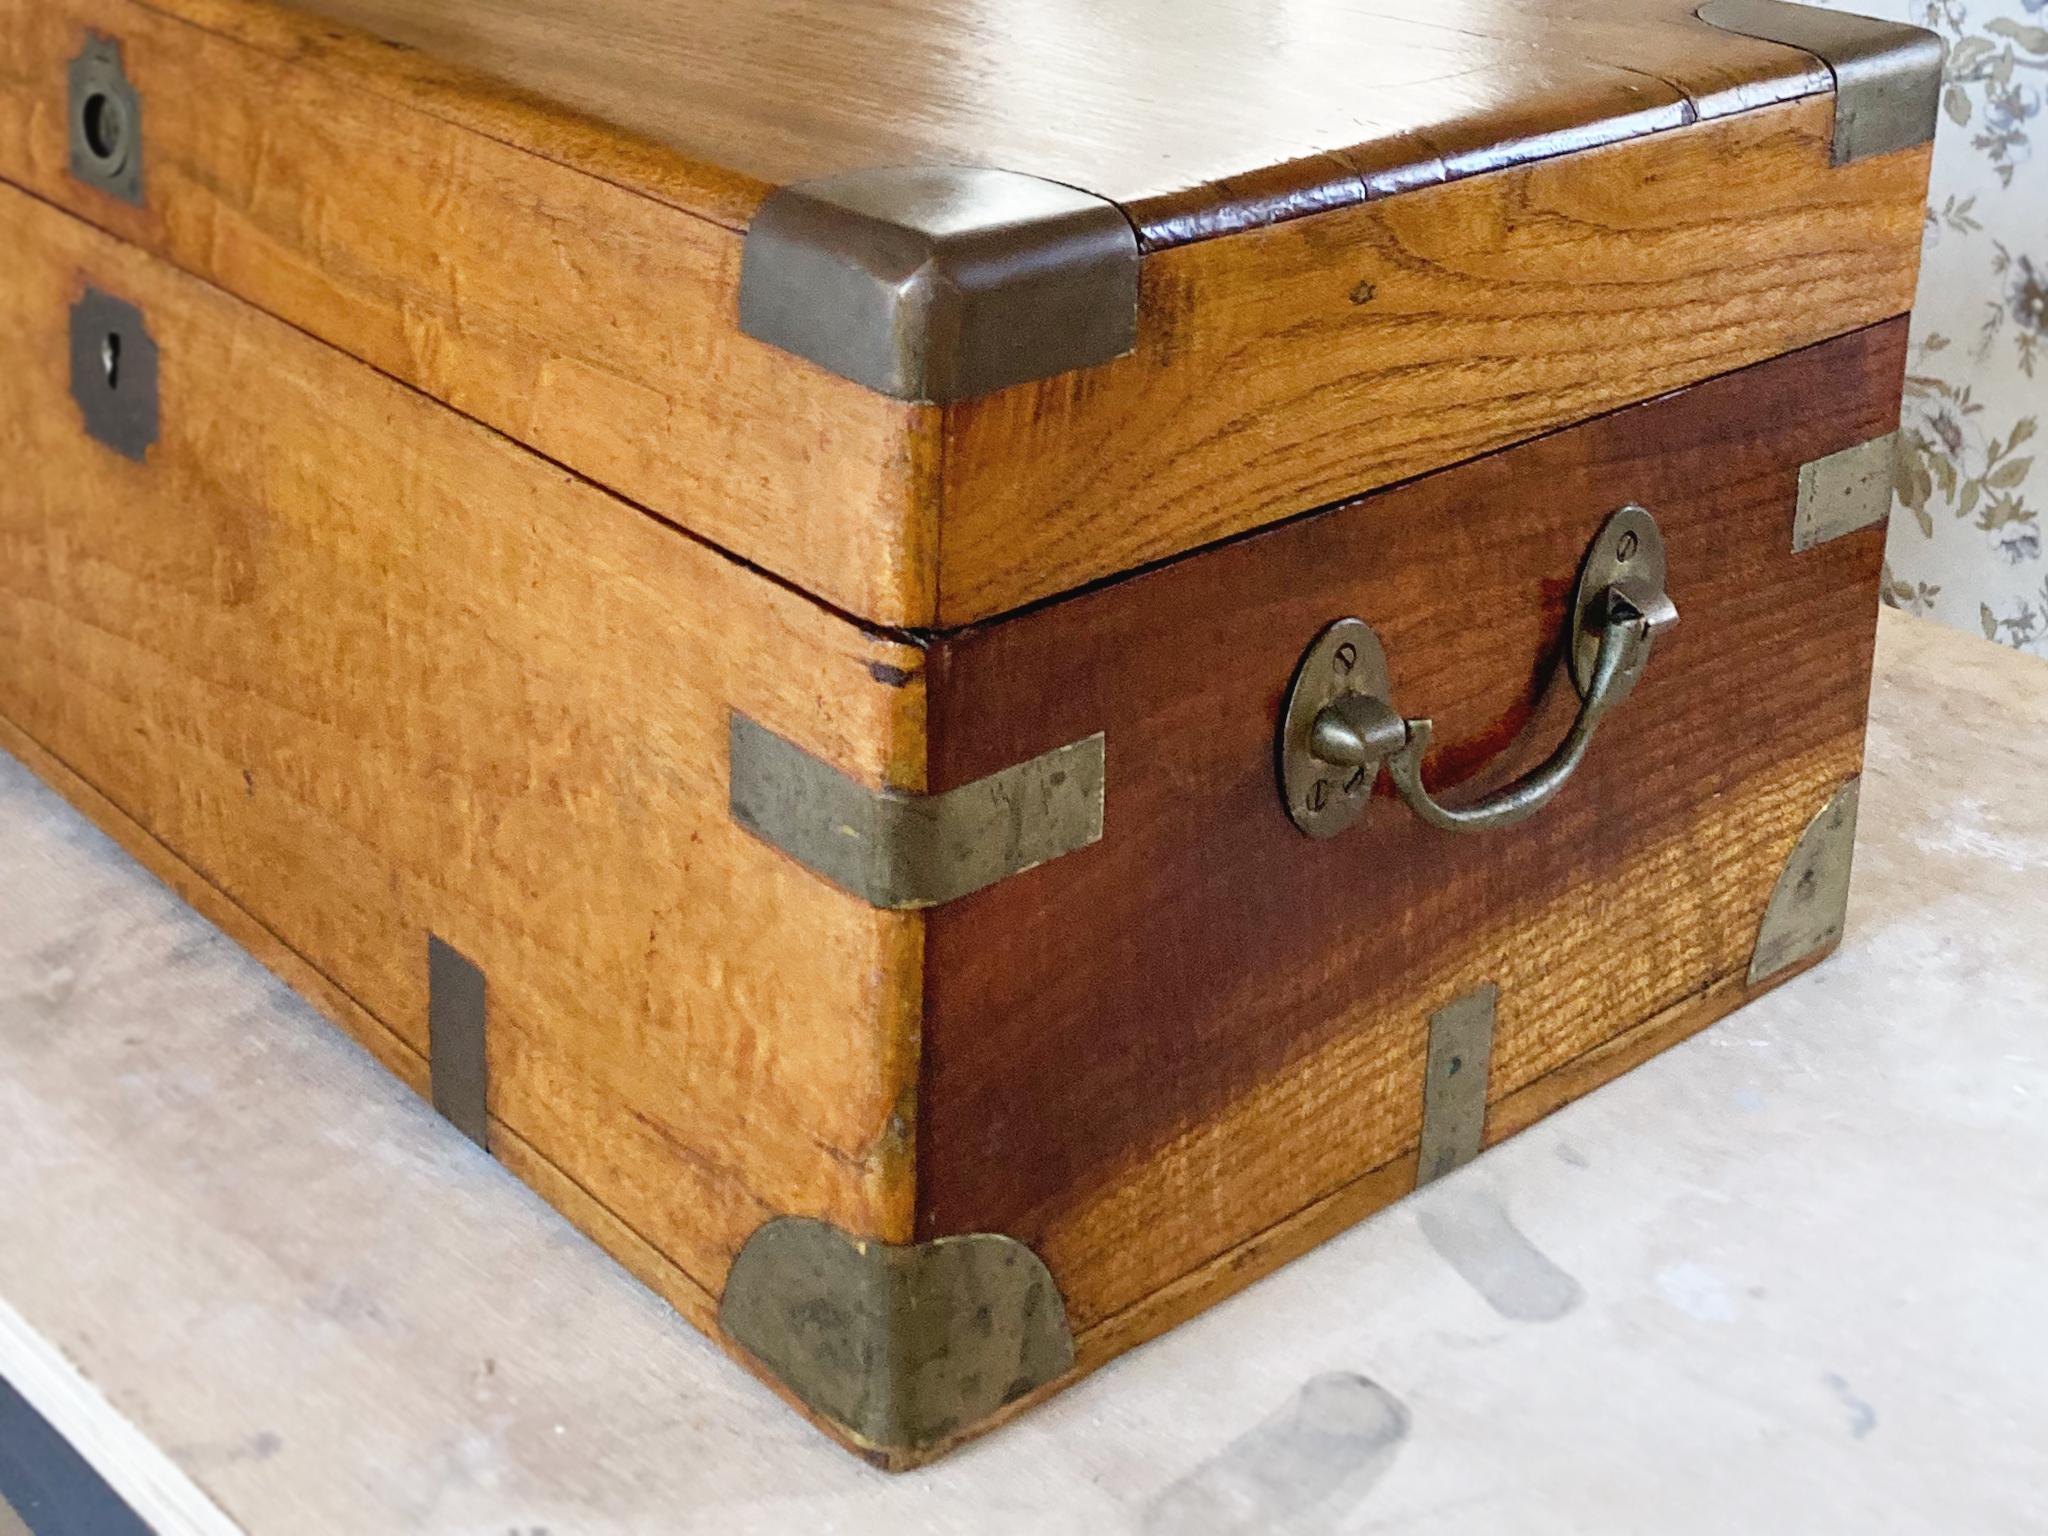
point(1363, 731)
point(1339, 728)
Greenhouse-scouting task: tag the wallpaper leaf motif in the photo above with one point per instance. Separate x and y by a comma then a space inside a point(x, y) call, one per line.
point(1966, 542)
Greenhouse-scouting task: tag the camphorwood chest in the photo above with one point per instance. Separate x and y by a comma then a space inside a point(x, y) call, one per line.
point(963, 671)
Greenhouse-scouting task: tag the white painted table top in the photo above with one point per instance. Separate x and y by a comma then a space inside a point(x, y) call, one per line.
point(1788, 1277)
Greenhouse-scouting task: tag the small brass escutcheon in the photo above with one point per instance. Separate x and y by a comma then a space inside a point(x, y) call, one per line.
point(105, 121)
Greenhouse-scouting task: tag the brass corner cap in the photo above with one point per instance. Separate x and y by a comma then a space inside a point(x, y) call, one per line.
point(903, 1347)
point(1810, 902)
point(937, 283)
point(1887, 73)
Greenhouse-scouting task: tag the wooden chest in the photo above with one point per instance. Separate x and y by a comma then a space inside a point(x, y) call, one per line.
point(963, 672)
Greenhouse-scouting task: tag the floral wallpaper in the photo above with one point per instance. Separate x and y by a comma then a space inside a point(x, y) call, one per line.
point(1965, 540)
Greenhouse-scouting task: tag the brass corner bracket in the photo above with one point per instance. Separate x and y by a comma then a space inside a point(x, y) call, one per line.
point(902, 1347)
point(1811, 899)
point(936, 283)
point(1887, 74)
point(901, 851)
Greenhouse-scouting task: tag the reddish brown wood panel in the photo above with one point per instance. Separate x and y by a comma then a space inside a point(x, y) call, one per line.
point(1097, 1012)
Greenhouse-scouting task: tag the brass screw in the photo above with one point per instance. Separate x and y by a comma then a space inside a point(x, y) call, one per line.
point(1347, 656)
point(1627, 548)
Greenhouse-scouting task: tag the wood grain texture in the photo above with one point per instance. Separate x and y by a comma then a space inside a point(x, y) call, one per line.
point(374, 672)
point(634, 1253)
point(397, 1056)
point(587, 321)
point(1288, 368)
point(1296, 1234)
point(1196, 117)
point(1207, 1021)
point(1259, 1254)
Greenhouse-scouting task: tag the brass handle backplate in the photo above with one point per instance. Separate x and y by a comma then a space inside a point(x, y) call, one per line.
point(1339, 728)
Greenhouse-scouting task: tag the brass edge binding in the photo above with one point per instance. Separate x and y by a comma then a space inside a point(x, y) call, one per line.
point(902, 1347)
point(458, 1077)
point(898, 850)
point(1844, 492)
point(937, 283)
point(1887, 74)
point(1456, 1071)
point(1811, 899)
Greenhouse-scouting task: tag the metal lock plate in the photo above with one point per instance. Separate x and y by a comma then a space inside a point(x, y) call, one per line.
point(106, 121)
point(114, 373)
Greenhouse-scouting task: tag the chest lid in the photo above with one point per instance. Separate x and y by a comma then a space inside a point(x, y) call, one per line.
point(935, 308)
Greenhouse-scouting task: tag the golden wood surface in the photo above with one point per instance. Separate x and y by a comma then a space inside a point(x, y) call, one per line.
point(1208, 1021)
point(347, 669)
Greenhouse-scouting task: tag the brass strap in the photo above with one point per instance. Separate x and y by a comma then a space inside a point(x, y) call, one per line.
point(901, 851)
point(456, 1008)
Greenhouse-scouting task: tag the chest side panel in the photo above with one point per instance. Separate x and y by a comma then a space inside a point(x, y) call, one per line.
point(1142, 1055)
point(371, 672)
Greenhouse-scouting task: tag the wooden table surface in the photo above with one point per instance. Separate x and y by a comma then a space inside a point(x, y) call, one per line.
point(1785, 1278)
